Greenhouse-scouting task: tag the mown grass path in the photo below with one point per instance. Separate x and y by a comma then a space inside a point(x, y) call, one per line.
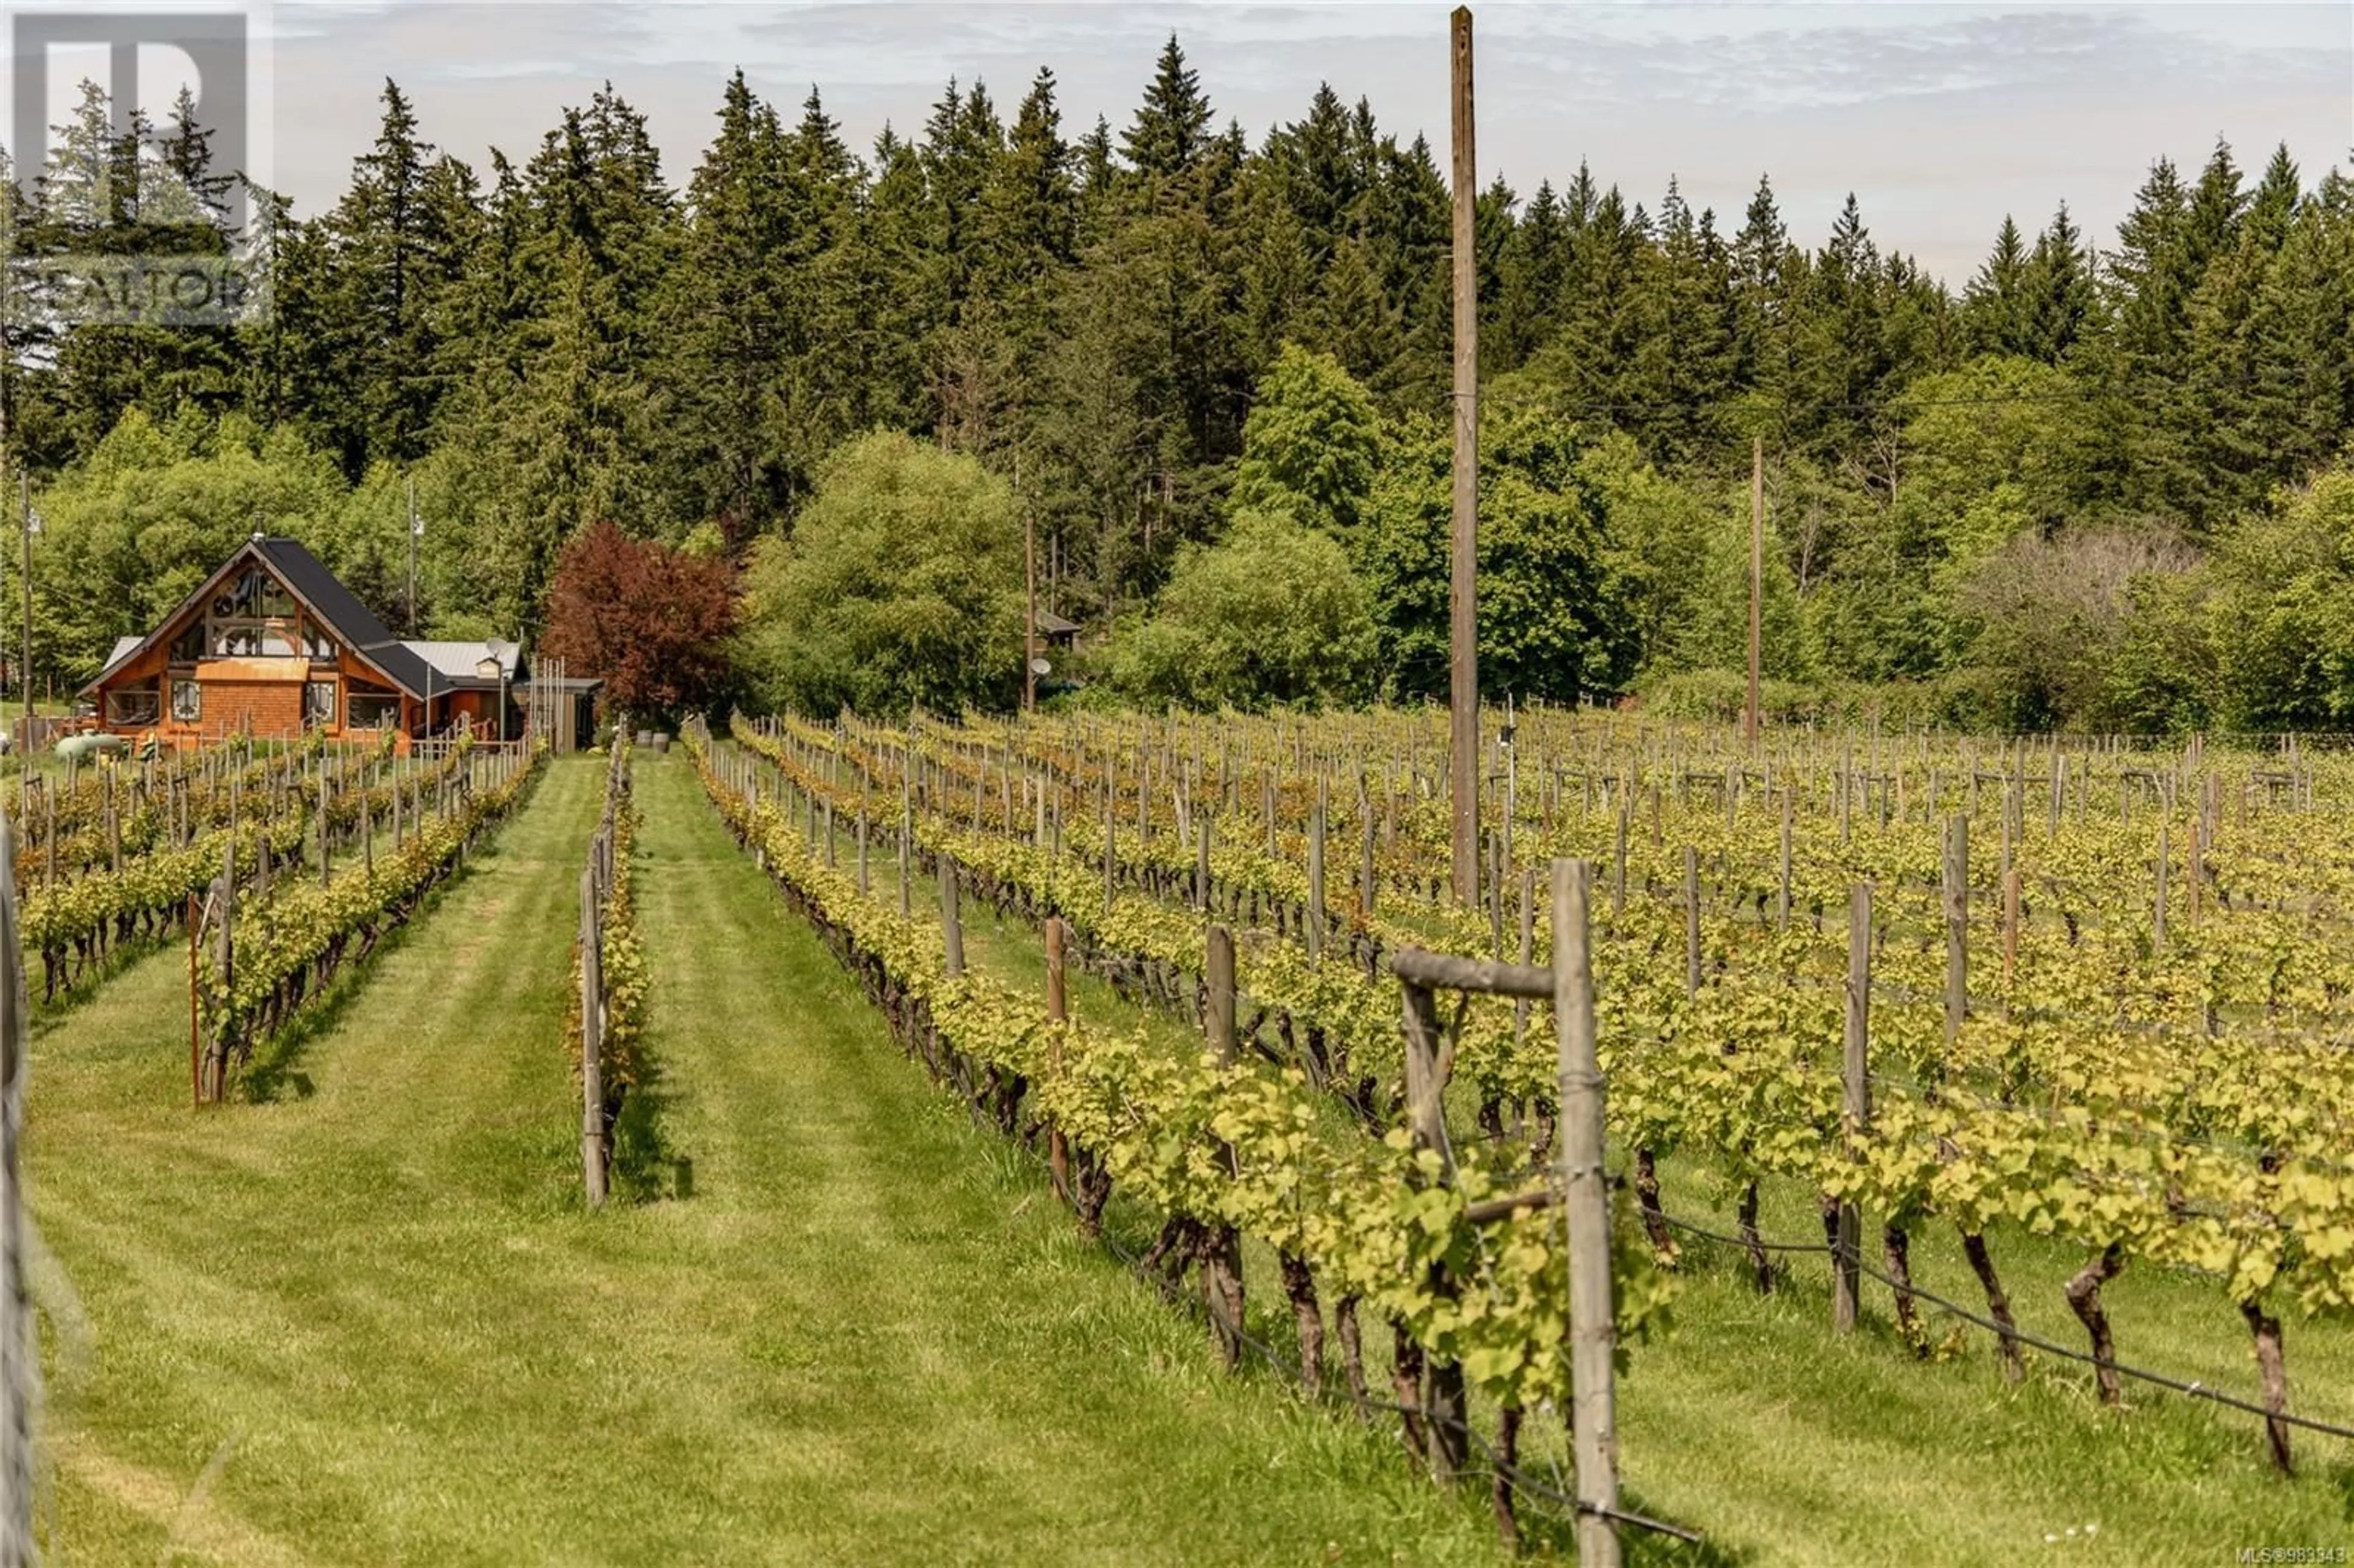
point(367, 1321)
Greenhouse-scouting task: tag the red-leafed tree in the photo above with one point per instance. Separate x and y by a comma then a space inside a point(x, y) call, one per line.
point(651, 621)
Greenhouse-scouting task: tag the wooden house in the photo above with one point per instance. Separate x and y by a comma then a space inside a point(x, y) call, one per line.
point(272, 645)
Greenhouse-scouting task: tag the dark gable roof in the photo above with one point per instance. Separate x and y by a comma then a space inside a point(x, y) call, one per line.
point(353, 624)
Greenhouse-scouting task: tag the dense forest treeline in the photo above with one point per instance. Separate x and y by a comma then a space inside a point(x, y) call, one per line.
point(1213, 369)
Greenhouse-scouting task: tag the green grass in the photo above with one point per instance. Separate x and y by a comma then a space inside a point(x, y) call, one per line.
point(1749, 1420)
point(365, 1321)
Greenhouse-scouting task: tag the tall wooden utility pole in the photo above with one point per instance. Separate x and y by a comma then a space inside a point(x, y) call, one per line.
point(1756, 577)
point(1463, 617)
point(24, 523)
point(416, 526)
point(1030, 630)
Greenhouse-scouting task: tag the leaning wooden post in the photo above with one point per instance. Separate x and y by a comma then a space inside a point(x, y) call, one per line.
point(951, 919)
point(1847, 1270)
point(592, 1041)
point(1592, 1330)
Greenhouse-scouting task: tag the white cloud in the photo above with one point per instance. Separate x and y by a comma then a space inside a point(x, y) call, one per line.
point(1941, 118)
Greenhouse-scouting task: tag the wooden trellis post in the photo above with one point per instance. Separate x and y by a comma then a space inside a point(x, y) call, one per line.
point(1593, 1328)
point(18, 1351)
point(1847, 1263)
point(592, 1039)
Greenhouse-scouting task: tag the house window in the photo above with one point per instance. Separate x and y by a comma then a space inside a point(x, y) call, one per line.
point(253, 616)
point(316, 642)
point(319, 705)
point(189, 645)
point(374, 710)
point(187, 702)
point(133, 705)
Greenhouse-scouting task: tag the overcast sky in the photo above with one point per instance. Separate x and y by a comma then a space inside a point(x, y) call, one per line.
point(1941, 118)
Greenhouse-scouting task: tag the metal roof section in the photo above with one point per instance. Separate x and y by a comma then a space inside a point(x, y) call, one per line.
point(124, 647)
point(486, 663)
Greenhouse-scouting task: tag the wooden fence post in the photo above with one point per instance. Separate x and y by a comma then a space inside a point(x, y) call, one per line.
point(19, 1371)
point(1528, 945)
point(592, 1040)
point(1846, 1270)
point(218, 1078)
point(1202, 865)
point(1222, 1255)
point(1782, 902)
point(2010, 929)
point(1443, 1427)
point(1619, 875)
point(1592, 1330)
point(1058, 1010)
point(1691, 921)
point(951, 918)
point(2157, 907)
point(1957, 926)
point(1315, 922)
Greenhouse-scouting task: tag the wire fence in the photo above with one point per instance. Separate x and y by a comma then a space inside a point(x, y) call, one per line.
point(2142, 1375)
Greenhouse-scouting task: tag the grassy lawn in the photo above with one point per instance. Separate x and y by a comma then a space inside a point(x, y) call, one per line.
point(365, 1321)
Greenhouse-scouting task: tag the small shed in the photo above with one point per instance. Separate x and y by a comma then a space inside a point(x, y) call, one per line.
point(1054, 631)
point(573, 725)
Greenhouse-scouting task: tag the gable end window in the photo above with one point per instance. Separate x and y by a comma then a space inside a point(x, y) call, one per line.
point(189, 645)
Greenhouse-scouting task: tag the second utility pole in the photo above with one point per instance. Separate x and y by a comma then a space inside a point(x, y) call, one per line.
point(1463, 697)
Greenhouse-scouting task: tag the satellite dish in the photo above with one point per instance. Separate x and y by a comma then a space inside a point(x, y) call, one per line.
point(1040, 667)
